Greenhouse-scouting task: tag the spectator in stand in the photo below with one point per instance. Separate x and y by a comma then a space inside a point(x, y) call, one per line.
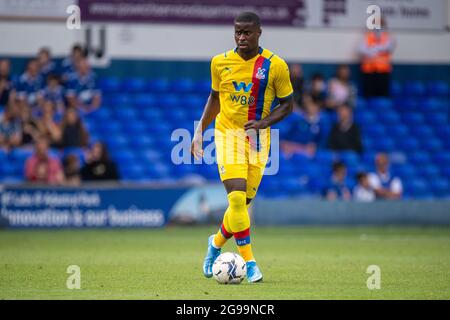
point(345, 135)
point(47, 124)
point(318, 90)
point(98, 166)
point(363, 191)
point(30, 127)
point(53, 92)
point(41, 167)
point(10, 128)
point(6, 88)
point(46, 65)
point(68, 65)
point(337, 188)
point(73, 132)
point(340, 89)
point(297, 81)
point(72, 170)
point(82, 91)
point(305, 132)
point(385, 185)
point(29, 84)
point(376, 67)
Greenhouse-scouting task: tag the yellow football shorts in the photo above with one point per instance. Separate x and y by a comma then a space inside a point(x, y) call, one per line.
point(240, 154)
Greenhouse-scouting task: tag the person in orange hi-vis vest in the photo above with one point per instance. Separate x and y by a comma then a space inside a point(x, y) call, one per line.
point(376, 66)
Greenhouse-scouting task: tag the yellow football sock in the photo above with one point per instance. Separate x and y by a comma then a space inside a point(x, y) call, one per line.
point(224, 232)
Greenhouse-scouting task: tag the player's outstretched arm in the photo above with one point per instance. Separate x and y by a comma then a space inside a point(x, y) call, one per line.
point(279, 113)
point(212, 109)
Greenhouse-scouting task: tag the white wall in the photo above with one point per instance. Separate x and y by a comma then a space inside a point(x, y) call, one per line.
point(186, 42)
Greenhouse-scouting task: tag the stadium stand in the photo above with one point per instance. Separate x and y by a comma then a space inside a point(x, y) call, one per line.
point(138, 115)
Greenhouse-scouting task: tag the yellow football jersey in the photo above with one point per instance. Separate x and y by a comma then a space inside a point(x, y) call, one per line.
point(249, 89)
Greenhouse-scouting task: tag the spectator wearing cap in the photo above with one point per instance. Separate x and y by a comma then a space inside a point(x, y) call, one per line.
point(385, 185)
point(345, 135)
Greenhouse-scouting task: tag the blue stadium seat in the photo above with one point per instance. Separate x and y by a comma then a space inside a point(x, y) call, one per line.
point(438, 89)
point(407, 144)
point(419, 158)
point(182, 85)
point(396, 88)
point(120, 99)
point(131, 172)
point(374, 132)
point(144, 100)
point(324, 157)
point(440, 187)
point(109, 84)
point(365, 117)
point(404, 171)
point(380, 104)
point(134, 84)
point(141, 141)
point(152, 114)
point(125, 114)
point(433, 105)
point(431, 145)
point(117, 141)
point(350, 158)
point(417, 187)
point(398, 131)
point(422, 132)
point(412, 118)
point(406, 104)
point(442, 158)
point(203, 86)
point(135, 128)
point(389, 117)
point(101, 114)
point(158, 85)
point(167, 102)
point(384, 144)
point(436, 119)
point(414, 88)
point(443, 132)
point(19, 155)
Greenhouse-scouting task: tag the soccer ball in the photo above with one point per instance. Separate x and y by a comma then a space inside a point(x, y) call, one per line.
point(229, 268)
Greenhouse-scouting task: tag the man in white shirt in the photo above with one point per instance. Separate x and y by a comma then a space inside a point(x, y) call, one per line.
point(382, 182)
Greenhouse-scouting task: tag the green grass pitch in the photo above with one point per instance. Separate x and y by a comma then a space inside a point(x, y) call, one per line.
point(297, 263)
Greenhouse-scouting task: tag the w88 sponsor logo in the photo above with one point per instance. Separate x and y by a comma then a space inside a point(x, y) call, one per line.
point(243, 99)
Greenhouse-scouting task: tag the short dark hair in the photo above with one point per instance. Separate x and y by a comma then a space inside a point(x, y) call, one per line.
point(361, 175)
point(250, 17)
point(338, 165)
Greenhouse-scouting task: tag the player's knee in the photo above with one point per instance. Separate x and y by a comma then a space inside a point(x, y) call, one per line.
point(237, 200)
